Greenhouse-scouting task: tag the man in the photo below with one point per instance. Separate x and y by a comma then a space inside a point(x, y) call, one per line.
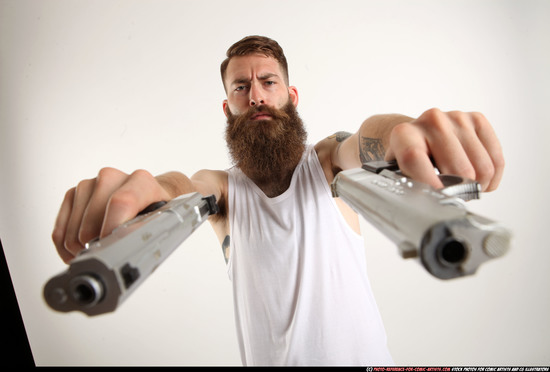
point(294, 254)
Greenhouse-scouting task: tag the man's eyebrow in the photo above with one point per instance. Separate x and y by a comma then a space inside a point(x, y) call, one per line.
point(240, 81)
point(265, 76)
point(268, 75)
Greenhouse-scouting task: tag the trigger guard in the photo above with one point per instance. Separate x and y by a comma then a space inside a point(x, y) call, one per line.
point(453, 186)
point(456, 186)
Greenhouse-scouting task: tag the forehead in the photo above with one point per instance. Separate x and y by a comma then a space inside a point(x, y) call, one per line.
point(246, 67)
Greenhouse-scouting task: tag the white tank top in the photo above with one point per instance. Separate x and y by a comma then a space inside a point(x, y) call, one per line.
point(298, 270)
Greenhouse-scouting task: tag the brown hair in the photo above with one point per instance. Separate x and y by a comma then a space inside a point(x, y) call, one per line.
point(256, 45)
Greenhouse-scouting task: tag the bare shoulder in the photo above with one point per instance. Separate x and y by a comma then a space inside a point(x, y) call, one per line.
point(214, 182)
point(209, 182)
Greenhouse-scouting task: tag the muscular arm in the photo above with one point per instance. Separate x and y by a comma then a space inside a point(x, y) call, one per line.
point(95, 207)
point(461, 143)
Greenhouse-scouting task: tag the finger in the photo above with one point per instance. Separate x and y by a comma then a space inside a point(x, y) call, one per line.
point(489, 140)
point(60, 227)
point(140, 190)
point(107, 181)
point(475, 150)
point(409, 147)
point(82, 195)
point(444, 145)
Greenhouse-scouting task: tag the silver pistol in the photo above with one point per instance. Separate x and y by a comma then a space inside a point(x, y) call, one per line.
point(104, 274)
point(431, 225)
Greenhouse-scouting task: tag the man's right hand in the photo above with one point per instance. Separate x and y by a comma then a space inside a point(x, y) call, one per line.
point(95, 207)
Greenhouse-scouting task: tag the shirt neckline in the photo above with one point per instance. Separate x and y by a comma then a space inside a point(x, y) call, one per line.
point(289, 190)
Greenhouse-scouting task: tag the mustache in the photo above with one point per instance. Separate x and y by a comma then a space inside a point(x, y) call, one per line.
point(275, 113)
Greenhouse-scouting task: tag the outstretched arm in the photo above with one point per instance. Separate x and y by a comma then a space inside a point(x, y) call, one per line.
point(461, 143)
point(95, 207)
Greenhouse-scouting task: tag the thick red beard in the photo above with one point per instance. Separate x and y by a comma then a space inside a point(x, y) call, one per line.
point(267, 151)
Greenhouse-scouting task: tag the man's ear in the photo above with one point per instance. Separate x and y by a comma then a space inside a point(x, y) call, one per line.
point(293, 94)
point(225, 107)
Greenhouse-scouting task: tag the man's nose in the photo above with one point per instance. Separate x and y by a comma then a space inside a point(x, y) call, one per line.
point(255, 97)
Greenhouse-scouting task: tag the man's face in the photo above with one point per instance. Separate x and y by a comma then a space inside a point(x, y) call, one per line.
point(255, 80)
point(265, 135)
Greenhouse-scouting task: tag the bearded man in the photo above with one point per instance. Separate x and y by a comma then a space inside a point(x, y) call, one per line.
point(294, 253)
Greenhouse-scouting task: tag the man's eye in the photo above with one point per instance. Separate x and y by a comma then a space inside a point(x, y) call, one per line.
point(270, 82)
point(240, 87)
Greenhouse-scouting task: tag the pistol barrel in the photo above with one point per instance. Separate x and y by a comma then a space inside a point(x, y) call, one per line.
point(102, 276)
point(431, 225)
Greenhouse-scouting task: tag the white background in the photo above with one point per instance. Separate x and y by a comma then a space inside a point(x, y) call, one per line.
point(135, 84)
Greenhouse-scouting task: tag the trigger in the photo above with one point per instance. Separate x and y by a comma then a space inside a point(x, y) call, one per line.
point(463, 188)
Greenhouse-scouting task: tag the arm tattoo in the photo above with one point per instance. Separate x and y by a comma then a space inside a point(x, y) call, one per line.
point(340, 136)
point(225, 248)
point(370, 149)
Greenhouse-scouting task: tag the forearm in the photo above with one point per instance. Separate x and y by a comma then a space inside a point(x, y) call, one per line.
point(369, 143)
point(374, 135)
point(176, 183)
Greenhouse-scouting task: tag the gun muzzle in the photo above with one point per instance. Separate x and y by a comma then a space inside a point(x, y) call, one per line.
point(102, 276)
point(431, 225)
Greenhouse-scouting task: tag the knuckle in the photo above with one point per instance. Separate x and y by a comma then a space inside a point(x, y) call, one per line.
point(108, 172)
point(435, 121)
point(459, 119)
point(70, 193)
point(478, 117)
point(485, 173)
point(402, 130)
point(479, 121)
point(433, 114)
point(58, 235)
point(84, 184)
point(401, 127)
point(147, 183)
point(456, 115)
point(142, 174)
point(108, 176)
